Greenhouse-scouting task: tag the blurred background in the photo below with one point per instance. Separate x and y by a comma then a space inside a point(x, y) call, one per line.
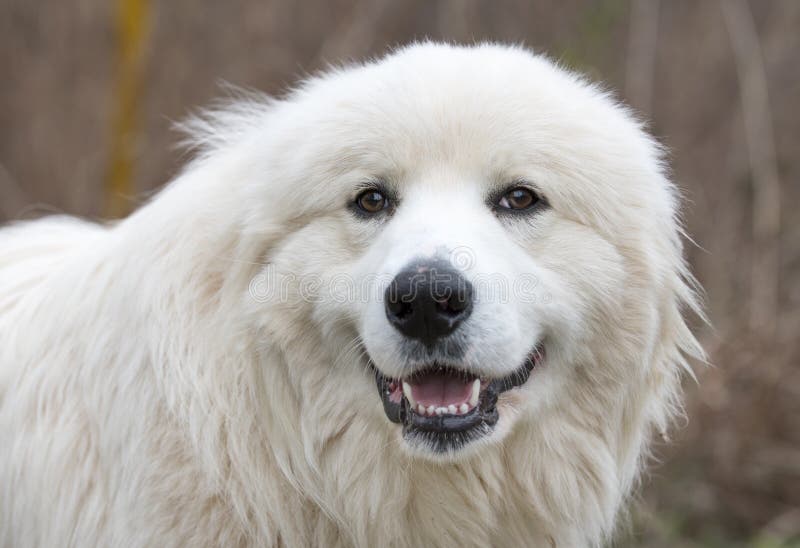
point(90, 89)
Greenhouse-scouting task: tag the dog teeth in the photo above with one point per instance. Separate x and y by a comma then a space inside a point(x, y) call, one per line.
point(438, 411)
point(433, 411)
point(408, 395)
point(476, 392)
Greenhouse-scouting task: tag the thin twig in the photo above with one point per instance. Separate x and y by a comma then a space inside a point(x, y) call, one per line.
point(641, 55)
point(760, 141)
point(357, 34)
point(12, 198)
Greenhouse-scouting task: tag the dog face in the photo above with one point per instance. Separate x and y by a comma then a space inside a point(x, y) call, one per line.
point(477, 225)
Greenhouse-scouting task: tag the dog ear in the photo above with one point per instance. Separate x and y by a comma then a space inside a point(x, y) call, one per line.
point(228, 120)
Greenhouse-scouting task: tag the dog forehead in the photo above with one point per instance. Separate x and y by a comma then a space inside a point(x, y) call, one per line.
point(485, 108)
point(430, 95)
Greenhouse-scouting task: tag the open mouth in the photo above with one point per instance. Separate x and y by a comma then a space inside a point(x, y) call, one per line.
point(445, 407)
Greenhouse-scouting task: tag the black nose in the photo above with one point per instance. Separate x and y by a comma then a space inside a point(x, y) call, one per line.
point(427, 301)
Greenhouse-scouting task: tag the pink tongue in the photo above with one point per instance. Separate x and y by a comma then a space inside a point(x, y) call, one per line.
point(440, 390)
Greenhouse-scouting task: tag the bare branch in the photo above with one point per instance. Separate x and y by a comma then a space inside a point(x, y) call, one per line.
point(357, 35)
point(12, 198)
point(641, 56)
point(763, 167)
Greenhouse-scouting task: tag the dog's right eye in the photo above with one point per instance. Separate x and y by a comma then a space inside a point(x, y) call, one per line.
point(372, 201)
point(517, 199)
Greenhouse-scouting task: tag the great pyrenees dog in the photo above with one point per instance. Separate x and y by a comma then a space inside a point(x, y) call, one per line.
point(436, 299)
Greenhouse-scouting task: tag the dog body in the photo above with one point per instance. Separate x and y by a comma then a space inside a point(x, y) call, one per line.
point(203, 373)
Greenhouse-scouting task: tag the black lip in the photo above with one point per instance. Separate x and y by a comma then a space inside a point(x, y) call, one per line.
point(450, 432)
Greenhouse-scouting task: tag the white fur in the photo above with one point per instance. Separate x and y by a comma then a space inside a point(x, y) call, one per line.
point(154, 390)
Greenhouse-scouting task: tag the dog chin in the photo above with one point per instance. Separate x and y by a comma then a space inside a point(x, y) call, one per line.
point(422, 447)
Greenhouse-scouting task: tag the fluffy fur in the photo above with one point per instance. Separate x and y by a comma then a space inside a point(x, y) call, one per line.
point(156, 391)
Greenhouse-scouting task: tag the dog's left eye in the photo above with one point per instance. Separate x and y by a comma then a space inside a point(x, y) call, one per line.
point(518, 198)
point(372, 201)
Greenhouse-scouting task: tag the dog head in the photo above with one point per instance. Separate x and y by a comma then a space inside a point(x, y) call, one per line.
point(473, 234)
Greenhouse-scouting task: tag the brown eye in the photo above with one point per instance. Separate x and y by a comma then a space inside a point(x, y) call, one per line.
point(372, 201)
point(518, 198)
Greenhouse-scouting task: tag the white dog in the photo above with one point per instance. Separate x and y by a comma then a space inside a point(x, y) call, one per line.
point(433, 300)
